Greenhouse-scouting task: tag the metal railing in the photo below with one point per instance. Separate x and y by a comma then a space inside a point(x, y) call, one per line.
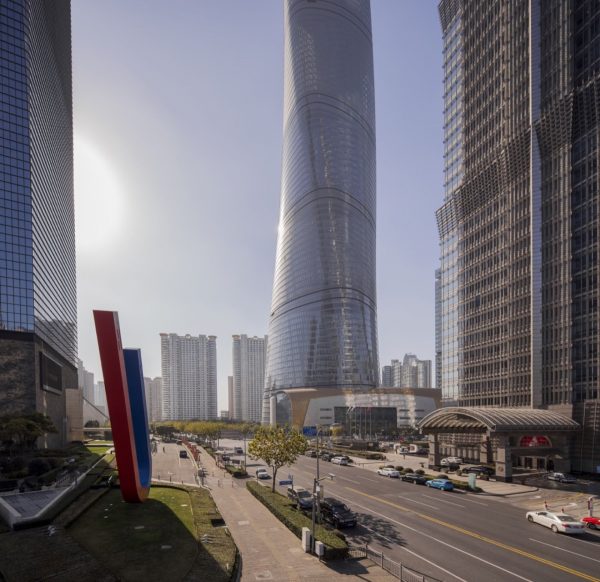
point(396, 569)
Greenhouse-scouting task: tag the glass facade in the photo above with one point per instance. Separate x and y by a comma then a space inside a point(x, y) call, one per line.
point(447, 334)
point(323, 329)
point(37, 230)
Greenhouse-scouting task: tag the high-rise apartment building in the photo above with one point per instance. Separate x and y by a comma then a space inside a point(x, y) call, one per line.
point(410, 373)
point(230, 397)
point(248, 356)
point(323, 328)
point(519, 223)
point(387, 376)
point(153, 390)
point(38, 309)
point(189, 377)
point(99, 400)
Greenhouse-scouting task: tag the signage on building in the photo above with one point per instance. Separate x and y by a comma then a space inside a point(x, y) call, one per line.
point(309, 431)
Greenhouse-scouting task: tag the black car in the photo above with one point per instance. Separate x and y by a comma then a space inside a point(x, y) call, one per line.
point(301, 497)
point(479, 470)
point(183, 454)
point(414, 478)
point(326, 456)
point(337, 513)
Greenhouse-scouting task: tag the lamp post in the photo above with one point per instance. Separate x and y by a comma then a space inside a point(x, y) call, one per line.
point(314, 507)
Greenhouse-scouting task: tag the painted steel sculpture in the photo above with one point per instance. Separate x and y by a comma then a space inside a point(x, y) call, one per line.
point(124, 383)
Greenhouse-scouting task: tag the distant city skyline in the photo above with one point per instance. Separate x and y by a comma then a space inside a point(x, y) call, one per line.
point(189, 221)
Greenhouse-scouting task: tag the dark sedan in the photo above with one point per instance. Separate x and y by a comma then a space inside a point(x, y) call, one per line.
point(414, 478)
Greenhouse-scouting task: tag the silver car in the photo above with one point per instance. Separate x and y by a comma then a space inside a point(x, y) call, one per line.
point(557, 522)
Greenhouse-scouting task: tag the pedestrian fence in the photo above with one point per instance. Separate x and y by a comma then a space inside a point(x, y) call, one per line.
point(396, 569)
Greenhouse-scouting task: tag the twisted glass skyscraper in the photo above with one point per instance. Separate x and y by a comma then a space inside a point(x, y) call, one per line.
point(323, 329)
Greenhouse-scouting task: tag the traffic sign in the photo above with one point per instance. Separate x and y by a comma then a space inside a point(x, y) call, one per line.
point(286, 482)
point(309, 431)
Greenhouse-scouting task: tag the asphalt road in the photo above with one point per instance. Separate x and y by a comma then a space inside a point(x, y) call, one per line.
point(168, 466)
point(452, 535)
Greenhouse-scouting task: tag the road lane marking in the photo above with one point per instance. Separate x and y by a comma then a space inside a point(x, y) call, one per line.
point(442, 500)
point(417, 555)
point(372, 480)
point(568, 551)
point(346, 479)
point(438, 540)
point(486, 539)
point(419, 502)
point(477, 502)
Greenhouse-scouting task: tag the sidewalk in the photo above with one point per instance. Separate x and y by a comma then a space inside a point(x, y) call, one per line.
point(269, 550)
point(497, 488)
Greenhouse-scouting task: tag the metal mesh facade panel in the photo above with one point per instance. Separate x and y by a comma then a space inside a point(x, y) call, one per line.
point(323, 330)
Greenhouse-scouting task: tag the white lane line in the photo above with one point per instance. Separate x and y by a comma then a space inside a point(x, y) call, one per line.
point(346, 479)
point(443, 500)
point(419, 502)
point(372, 480)
point(417, 555)
point(477, 502)
point(439, 541)
point(568, 551)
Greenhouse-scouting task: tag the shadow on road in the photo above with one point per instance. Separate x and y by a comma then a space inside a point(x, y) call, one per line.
point(371, 528)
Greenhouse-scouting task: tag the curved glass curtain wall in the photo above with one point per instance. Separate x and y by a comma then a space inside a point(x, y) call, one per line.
point(323, 328)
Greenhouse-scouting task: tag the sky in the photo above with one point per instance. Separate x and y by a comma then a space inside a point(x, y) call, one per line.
point(178, 137)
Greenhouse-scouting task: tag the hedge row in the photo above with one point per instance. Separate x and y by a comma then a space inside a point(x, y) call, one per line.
point(236, 471)
point(335, 547)
point(369, 455)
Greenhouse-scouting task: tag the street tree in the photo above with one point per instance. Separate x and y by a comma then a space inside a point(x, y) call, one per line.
point(277, 446)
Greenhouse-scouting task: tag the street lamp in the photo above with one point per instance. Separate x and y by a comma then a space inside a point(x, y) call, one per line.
point(314, 506)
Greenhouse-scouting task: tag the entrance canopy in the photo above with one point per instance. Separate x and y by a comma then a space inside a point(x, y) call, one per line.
point(457, 419)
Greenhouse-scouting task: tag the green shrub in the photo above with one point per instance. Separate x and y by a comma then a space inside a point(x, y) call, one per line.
point(420, 472)
point(399, 468)
point(236, 472)
point(335, 547)
point(38, 467)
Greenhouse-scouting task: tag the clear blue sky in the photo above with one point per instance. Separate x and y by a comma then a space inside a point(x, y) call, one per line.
point(178, 124)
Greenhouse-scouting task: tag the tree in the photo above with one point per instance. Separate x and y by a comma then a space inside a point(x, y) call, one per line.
point(277, 446)
point(25, 429)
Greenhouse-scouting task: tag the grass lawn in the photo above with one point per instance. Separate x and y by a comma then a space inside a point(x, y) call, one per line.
point(158, 539)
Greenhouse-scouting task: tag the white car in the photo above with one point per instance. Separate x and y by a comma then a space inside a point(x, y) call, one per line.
point(262, 474)
point(389, 472)
point(339, 461)
point(557, 522)
point(451, 461)
point(561, 477)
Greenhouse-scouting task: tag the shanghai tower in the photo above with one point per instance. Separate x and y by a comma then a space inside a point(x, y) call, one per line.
point(323, 325)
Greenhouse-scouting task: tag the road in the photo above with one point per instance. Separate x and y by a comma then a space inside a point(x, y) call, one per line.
point(448, 535)
point(168, 466)
point(453, 536)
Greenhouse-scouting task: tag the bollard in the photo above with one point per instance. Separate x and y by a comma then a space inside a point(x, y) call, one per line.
point(170, 478)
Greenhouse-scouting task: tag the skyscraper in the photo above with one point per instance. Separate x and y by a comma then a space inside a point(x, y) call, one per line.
point(153, 389)
point(38, 311)
point(387, 377)
point(189, 377)
point(518, 227)
point(248, 356)
point(410, 373)
point(323, 328)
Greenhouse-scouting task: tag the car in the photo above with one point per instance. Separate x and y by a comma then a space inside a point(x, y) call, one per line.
point(561, 477)
point(238, 451)
point(262, 474)
point(479, 470)
point(557, 522)
point(337, 513)
point(339, 461)
point(183, 454)
point(414, 478)
point(591, 522)
point(451, 461)
point(326, 457)
point(226, 458)
point(302, 497)
point(311, 453)
point(389, 472)
point(443, 484)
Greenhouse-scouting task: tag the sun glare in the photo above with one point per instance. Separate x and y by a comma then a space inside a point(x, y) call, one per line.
point(98, 199)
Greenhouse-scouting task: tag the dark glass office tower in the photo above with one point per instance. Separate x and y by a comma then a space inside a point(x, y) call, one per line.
point(323, 329)
point(519, 224)
point(38, 317)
